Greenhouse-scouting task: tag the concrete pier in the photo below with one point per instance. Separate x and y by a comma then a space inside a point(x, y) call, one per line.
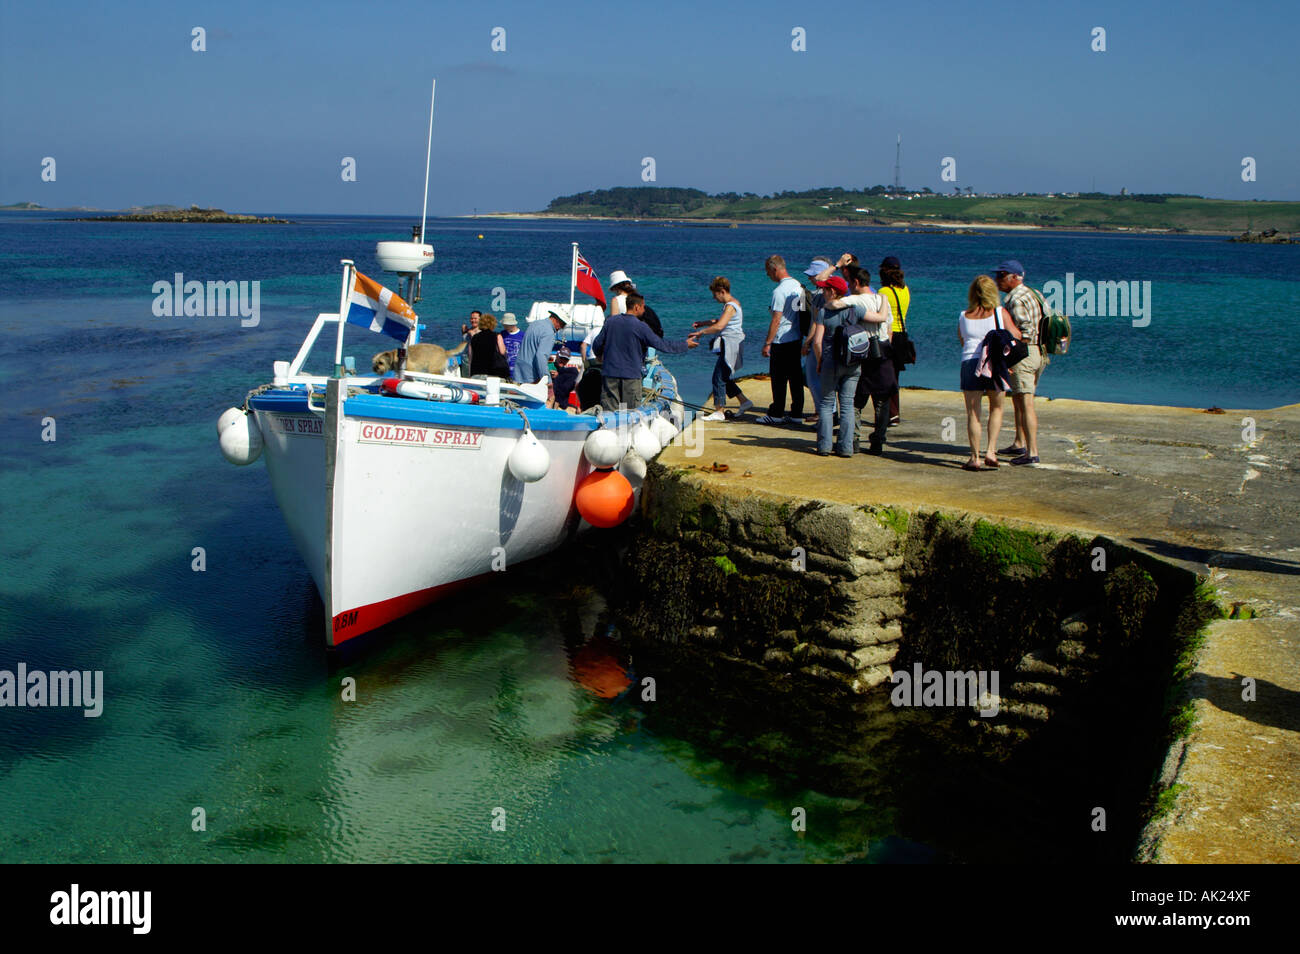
point(1214, 493)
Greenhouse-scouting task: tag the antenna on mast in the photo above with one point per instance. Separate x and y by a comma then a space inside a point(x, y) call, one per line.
point(409, 259)
point(898, 165)
point(428, 154)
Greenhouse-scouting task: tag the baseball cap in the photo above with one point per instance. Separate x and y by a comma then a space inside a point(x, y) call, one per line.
point(818, 266)
point(890, 261)
point(1010, 267)
point(509, 318)
point(839, 284)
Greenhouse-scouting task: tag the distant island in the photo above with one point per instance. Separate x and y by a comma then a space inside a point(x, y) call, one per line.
point(154, 213)
point(192, 214)
point(902, 208)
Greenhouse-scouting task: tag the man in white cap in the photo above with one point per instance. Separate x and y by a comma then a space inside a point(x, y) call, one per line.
point(513, 336)
point(533, 363)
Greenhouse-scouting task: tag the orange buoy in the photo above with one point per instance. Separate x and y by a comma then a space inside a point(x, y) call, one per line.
point(604, 498)
point(597, 668)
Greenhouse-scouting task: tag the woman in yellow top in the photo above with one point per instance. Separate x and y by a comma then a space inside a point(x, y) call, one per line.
point(894, 290)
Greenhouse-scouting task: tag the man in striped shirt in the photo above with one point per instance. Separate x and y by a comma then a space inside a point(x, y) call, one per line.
point(1026, 312)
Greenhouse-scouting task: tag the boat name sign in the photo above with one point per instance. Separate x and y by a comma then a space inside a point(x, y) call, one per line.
point(420, 436)
point(286, 424)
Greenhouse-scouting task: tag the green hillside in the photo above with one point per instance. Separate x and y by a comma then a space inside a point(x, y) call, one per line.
point(837, 205)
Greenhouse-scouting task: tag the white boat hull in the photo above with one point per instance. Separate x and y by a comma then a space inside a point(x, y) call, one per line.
point(390, 514)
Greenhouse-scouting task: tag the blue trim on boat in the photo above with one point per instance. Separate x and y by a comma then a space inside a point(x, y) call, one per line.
point(464, 415)
point(287, 401)
point(293, 400)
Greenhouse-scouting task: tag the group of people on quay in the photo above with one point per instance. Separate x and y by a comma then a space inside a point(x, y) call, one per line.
point(835, 335)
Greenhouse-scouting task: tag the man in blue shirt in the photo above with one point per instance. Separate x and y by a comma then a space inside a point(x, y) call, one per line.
point(784, 345)
point(621, 346)
point(533, 362)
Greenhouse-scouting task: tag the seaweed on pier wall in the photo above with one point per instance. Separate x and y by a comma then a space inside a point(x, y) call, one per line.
point(673, 593)
point(981, 595)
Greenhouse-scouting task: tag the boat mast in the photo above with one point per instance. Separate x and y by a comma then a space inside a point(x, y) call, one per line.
point(343, 313)
point(573, 279)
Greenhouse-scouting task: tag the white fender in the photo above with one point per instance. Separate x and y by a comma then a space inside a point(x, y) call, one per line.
point(603, 447)
point(646, 445)
point(241, 441)
point(633, 467)
point(663, 429)
point(530, 460)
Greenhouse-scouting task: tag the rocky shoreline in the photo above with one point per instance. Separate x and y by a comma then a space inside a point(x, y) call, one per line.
point(1266, 237)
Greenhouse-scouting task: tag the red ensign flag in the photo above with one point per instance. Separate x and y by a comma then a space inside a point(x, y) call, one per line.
point(587, 282)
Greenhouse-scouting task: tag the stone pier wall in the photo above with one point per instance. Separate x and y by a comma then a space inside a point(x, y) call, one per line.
point(1090, 637)
point(796, 587)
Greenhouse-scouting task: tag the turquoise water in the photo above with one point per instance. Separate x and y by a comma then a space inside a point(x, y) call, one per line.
point(218, 691)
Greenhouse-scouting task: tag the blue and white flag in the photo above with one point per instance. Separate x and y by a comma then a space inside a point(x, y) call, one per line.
point(373, 306)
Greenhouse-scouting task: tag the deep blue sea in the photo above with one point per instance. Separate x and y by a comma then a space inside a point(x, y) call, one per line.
point(218, 694)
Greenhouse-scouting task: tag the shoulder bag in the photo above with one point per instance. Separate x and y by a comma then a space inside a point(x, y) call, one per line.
point(904, 348)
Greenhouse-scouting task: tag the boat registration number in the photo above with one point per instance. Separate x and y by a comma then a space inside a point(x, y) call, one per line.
point(419, 436)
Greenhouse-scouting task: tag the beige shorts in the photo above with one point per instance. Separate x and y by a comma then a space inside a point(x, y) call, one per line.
point(1025, 374)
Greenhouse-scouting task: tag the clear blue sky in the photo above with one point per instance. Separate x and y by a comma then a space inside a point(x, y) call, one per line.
point(263, 119)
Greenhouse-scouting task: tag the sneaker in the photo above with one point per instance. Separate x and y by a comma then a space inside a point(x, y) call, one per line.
point(745, 405)
point(791, 420)
point(715, 416)
point(1024, 459)
point(842, 454)
point(895, 421)
point(769, 419)
point(1012, 451)
point(876, 450)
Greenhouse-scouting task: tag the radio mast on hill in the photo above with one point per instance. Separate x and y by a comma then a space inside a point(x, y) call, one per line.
point(898, 165)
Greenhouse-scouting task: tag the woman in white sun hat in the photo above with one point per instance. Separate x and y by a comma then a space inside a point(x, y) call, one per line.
point(620, 285)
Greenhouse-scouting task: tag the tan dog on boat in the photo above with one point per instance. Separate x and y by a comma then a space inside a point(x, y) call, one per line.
point(429, 358)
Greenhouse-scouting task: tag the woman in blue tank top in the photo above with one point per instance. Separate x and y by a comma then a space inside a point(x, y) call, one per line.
point(729, 346)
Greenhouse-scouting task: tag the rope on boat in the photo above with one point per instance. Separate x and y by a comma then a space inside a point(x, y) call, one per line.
point(259, 390)
point(655, 392)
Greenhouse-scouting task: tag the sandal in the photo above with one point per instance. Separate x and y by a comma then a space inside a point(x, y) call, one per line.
point(969, 466)
point(991, 462)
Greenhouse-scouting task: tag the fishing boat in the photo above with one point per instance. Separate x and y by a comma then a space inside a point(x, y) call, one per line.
point(399, 489)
